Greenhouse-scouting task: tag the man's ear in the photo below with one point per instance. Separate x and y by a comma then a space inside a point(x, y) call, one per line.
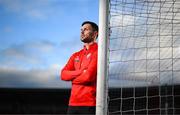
point(96, 34)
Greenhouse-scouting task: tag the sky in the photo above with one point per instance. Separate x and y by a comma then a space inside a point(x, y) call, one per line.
point(37, 37)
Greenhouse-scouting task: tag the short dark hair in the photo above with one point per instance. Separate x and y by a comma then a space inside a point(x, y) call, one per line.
point(94, 25)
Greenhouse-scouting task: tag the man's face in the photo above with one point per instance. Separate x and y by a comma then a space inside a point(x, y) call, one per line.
point(87, 33)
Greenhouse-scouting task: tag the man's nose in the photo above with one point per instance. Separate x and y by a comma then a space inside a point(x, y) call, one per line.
point(82, 31)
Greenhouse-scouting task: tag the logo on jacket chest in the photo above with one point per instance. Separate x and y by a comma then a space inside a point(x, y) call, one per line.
point(77, 59)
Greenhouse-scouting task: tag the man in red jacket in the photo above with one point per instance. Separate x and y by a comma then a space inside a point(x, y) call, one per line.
point(81, 70)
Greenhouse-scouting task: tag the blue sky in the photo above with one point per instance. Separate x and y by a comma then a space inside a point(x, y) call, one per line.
point(37, 38)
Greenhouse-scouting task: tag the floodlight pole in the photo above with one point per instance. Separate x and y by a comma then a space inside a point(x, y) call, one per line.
point(102, 72)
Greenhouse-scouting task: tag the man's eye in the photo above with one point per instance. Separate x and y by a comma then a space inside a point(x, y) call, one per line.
point(85, 29)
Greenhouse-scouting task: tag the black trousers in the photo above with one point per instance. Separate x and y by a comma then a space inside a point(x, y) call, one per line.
point(81, 110)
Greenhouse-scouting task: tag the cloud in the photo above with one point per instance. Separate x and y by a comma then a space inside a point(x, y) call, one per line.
point(36, 14)
point(122, 20)
point(17, 53)
point(33, 78)
point(73, 44)
point(26, 54)
point(45, 9)
point(114, 83)
point(31, 65)
point(36, 9)
point(43, 46)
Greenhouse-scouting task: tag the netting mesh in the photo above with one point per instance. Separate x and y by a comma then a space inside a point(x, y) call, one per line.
point(144, 62)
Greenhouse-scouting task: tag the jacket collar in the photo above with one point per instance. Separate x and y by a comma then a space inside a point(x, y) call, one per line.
point(92, 47)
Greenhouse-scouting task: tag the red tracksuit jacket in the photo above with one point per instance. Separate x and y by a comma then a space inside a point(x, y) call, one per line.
point(81, 69)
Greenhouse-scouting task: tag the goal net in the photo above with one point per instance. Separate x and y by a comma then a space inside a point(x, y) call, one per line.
point(144, 57)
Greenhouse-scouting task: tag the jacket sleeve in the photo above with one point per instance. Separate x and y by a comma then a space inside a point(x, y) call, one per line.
point(88, 74)
point(68, 73)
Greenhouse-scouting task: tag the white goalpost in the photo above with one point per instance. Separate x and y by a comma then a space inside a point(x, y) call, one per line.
point(102, 72)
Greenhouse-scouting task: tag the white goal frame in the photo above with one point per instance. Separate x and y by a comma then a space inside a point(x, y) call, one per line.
point(102, 72)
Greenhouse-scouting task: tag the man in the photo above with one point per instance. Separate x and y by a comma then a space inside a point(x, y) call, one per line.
point(81, 70)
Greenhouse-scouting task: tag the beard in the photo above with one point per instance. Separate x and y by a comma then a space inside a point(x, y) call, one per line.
point(87, 40)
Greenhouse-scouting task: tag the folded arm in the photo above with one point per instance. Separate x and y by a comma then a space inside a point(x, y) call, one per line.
point(89, 73)
point(68, 73)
